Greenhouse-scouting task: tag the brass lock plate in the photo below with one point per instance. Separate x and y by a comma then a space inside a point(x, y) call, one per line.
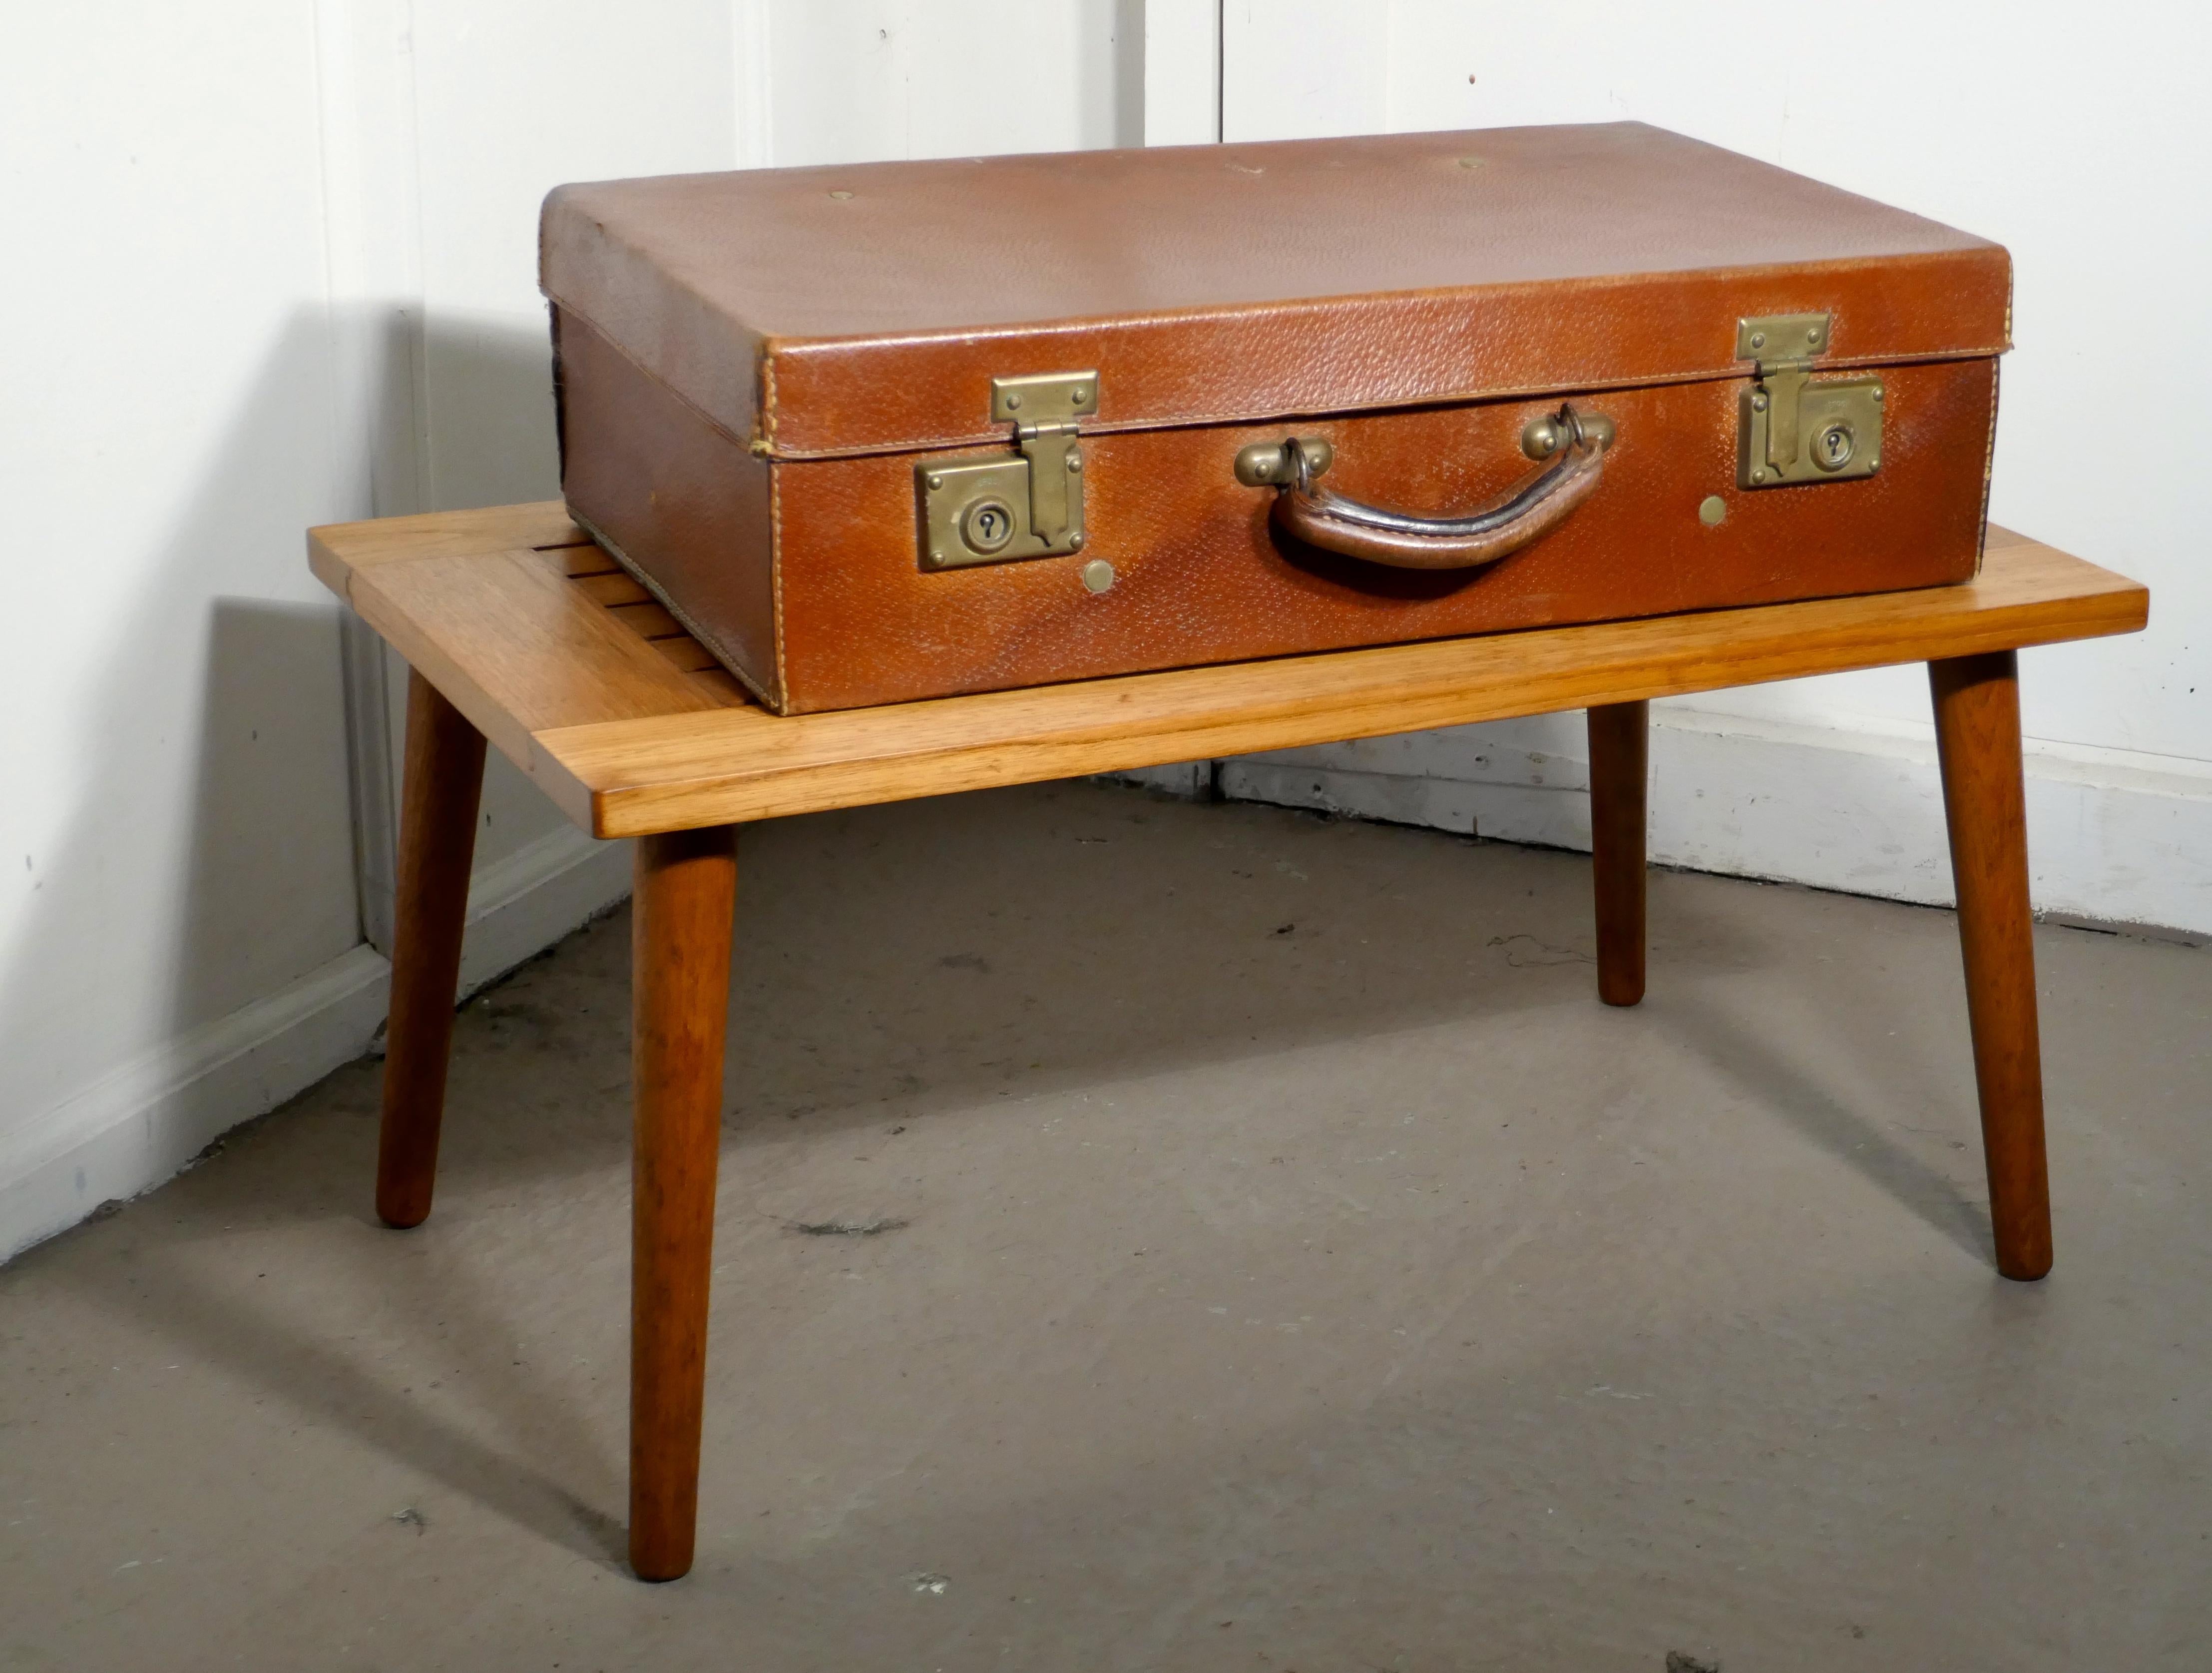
point(997, 508)
point(1838, 433)
point(976, 510)
point(1792, 429)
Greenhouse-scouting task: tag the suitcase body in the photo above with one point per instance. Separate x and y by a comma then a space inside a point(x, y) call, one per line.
point(897, 431)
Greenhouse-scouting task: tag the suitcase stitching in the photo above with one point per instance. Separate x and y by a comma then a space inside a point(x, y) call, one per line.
point(776, 579)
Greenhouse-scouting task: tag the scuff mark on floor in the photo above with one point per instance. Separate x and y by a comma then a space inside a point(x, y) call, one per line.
point(846, 1228)
point(1526, 951)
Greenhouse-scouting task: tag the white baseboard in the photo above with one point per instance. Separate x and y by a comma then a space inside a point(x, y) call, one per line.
point(140, 1124)
point(520, 905)
point(2112, 836)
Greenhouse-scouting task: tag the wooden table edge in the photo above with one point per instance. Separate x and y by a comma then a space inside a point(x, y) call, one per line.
point(751, 765)
point(533, 525)
point(616, 802)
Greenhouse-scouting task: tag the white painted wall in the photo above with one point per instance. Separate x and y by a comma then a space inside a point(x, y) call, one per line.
point(2078, 137)
point(456, 121)
point(175, 827)
point(273, 264)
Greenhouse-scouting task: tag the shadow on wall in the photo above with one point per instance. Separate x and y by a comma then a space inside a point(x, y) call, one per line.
point(459, 411)
point(206, 866)
point(265, 891)
point(487, 438)
point(487, 412)
point(207, 857)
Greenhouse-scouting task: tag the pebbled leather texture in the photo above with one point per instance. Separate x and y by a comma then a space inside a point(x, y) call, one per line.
point(1201, 577)
point(750, 368)
point(853, 308)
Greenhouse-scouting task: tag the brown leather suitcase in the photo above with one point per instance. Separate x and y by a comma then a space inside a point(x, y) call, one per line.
point(883, 432)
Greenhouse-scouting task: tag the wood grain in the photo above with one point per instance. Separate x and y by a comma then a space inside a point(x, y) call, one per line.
point(625, 777)
point(632, 735)
point(591, 562)
point(687, 653)
point(686, 888)
point(337, 550)
point(440, 789)
point(609, 587)
point(518, 646)
point(1619, 770)
point(1978, 740)
point(648, 620)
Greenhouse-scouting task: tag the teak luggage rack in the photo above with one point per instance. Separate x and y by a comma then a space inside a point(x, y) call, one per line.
point(521, 631)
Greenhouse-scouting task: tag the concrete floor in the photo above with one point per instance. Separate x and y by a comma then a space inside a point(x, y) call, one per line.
point(1286, 1264)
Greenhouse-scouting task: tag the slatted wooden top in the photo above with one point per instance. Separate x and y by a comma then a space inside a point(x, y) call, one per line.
point(579, 678)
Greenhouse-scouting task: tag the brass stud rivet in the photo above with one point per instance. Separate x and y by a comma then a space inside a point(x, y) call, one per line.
point(1758, 404)
point(1540, 438)
point(1711, 509)
point(1075, 543)
point(1013, 401)
point(1082, 395)
point(1877, 391)
point(1758, 339)
point(1759, 476)
point(1812, 333)
point(937, 481)
point(1098, 574)
point(1075, 462)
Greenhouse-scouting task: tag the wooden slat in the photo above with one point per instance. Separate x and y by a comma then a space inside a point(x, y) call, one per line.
point(518, 648)
point(648, 620)
point(336, 551)
point(587, 562)
point(686, 653)
point(659, 773)
point(722, 686)
point(609, 587)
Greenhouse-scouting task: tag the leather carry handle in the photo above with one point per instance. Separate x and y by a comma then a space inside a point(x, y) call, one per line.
point(1574, 444)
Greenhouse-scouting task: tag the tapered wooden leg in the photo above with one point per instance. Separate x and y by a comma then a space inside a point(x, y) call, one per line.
point(1618, 768)
point(443, 780)
point(680, 985)
point(1977, 735)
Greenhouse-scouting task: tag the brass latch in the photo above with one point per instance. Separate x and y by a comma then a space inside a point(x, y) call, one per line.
point(995, 509)
point(1273, 464)
point(1790, 428)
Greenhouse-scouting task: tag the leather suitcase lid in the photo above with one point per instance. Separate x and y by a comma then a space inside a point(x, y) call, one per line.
point(865, 309)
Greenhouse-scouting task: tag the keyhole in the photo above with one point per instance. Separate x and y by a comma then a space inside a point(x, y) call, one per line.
point(1834, 447)
point(988, 526)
